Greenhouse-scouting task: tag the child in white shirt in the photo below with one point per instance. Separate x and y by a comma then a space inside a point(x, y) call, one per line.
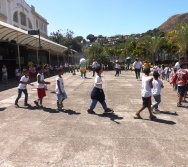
point(156, 91)
point(22, 87)
point(146, 94)
point(60, 91)
point(97, 94)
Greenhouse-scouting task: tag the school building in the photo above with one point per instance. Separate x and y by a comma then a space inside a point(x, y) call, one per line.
point(17, 47)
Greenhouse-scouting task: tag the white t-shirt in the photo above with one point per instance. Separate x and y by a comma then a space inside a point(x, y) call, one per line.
point(137, 64)
point(146, 88)
point(155, 68)
point(4, 71)
point(166, 69)
point(94, 65)
point(177, 65)
point(22, 85)
point(156, 90)
point(160, 70)
point(17, 72)
point(117, 66)
point(97, 80)
point(61, 85)
point(66, 65)
point(40, 85)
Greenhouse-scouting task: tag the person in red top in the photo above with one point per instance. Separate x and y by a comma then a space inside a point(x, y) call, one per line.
point(181, 78)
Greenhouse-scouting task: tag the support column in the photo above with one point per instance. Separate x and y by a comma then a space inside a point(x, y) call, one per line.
point(57, 58)
point(37, 53)
point(18, 48)
point(49, 57)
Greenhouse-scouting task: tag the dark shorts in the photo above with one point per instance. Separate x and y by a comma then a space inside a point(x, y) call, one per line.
point(181, 90)
point(146, 101)
point(186, 87)
point(41, 92)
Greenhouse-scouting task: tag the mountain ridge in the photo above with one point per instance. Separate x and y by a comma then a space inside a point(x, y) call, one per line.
point(173, 21)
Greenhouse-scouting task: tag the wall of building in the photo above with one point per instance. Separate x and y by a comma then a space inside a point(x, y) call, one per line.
point(18, 13)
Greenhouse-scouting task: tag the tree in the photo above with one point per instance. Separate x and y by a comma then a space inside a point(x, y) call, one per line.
point(78, 39)
point(152, 45)
point(98, 52)
point(181, 37)
point(67, 39)
point(91, 38)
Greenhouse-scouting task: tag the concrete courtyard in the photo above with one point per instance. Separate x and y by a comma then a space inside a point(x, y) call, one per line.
point(73, 138)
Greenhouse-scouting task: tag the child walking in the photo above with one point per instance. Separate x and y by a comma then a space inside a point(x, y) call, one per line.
point(156, 91)
point(146, 94)
point(22, 87)
point(60, 91)
point(40, 87)
point(97, 93)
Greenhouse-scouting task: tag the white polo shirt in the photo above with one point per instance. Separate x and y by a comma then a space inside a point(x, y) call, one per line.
point(22, 85)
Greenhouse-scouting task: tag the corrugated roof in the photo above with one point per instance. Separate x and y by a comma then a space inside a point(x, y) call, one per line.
point(9, 33)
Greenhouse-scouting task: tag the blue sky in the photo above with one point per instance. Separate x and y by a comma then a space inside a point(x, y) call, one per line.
point(107, 17)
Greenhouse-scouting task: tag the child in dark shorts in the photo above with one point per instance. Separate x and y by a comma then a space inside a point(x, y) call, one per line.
point(181, 79)
point(146, 94)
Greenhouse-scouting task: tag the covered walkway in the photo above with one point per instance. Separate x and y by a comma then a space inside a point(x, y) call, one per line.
point(9, 33)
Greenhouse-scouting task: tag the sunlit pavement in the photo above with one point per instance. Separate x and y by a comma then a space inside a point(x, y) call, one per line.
point(31, 137)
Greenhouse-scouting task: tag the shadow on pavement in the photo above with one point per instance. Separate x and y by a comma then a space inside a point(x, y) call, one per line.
point(50, 110)
point(30, 107)
point(70, 112)
point(162, 121)
point(169, 113)
point(12, 84)
point(113, 117)
point(3, 108)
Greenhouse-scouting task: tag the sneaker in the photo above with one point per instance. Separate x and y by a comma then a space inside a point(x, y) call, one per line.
point(26, 105)
point(180, 105)
point(59, 109)
point(16, 106)
point(153, 117)
point(36, 103)
point(108, 110)
point(61, 105)
point(90, 111)
point(41, 106)
point(156, 111)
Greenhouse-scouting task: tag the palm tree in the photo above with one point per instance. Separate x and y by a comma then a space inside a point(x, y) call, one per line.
point(152, 45)
point(181, 37)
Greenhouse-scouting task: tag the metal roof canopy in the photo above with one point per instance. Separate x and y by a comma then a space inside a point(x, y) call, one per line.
point(9, 33)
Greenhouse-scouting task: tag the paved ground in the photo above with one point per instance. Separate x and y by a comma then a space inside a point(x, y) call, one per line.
point(73, 138)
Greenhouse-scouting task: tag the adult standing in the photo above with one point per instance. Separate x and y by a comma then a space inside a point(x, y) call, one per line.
point(4, 75)
point(66, 67)
point(30, 63)
point(137, 66)
point(117, 67)
point(94, 66)
point(177, 65)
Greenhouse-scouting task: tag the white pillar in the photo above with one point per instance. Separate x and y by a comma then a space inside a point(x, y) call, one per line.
point(18, 48)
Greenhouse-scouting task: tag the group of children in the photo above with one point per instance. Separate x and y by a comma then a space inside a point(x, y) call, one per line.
point(97, 93)
point(152, 86)
point(24, 81)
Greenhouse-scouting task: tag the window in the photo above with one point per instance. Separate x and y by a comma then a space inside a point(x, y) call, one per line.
point(37, 23)
point(23, 19)
point(29, 23)
point(41, 26)
point(45, 28)
point(15, 17)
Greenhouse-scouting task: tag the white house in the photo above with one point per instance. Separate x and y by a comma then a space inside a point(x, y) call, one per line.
point(19, 14)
